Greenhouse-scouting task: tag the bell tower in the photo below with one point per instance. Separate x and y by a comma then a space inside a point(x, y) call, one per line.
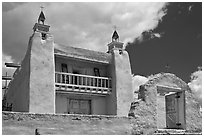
point(41, 66)
point(119, 101)
point(40, 25)
point(115, 44)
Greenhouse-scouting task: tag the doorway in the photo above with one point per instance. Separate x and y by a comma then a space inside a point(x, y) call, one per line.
point(174, 110)
point(170, 108)
point(79, 106)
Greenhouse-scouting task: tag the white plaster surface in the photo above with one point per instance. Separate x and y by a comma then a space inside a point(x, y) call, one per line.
point(42, 84)
point(120, 100)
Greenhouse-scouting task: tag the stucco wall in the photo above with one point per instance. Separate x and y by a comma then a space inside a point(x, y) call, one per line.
point(18, 90)
point(98, 106)
point(148, 93)
point(61, 104)
point(42, 84)
point(161, 112)
point(65, 124)
point(193, 114)
point(122, 93)
point(32, 89)
point(182, 105)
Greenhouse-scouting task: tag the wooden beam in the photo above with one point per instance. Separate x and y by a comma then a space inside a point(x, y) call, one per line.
point(6, 78)
point(12, 65)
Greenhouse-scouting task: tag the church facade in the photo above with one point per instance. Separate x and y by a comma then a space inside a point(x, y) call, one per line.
point(54, 78)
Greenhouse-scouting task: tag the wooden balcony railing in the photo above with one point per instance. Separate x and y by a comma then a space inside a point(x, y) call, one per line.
point(82, 83)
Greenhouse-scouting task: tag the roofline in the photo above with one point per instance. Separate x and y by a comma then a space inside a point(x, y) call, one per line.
point(169, 88)
point(81, 58)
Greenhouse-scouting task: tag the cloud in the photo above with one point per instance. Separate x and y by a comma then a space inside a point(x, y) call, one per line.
point(138, 80)
point(196, 84)
point(190, 8)
point(85, 25)
point(10, 5)
point(158, 35)
point(147, 35)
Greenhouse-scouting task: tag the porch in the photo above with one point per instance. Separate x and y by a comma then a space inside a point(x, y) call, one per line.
point(77, 83)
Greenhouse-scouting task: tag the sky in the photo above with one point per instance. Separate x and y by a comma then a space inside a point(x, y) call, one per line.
point(154, 34)
point(180, 44)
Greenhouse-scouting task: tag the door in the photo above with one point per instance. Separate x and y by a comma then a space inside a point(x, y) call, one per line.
point(79, 106)
point(172, 115)
point(65, 78)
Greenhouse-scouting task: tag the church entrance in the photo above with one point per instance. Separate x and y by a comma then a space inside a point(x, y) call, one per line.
point(79, 106)
point(172, 111)
point(170, 108)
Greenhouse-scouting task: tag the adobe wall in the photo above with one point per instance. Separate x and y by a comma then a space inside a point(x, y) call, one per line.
point(120, 100)
point(64, 124)
point(161, 114)
point(98, 104)
point(18, 89)
point(68, 124)
point(32, 89)
point(42, 84)
point(61, 104)
point(111, 100)
point(193, 113)
point(155, 98)
point(147, 107)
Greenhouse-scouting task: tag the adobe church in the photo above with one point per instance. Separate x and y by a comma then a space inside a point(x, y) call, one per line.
point(61, 79)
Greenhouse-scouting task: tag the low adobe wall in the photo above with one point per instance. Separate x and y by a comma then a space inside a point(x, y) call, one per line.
point(16, 123)
point(64, 124)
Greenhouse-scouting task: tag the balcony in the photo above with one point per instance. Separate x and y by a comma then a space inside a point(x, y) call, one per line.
point(77, 83)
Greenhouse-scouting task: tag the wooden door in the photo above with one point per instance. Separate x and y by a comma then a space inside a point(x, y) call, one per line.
point(84, 107)
point(79, 106)
point(171, 111)
point(74, 106)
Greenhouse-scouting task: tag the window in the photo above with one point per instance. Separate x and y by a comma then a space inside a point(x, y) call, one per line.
point(65, 78)
point(96, 72)
point(64, 68)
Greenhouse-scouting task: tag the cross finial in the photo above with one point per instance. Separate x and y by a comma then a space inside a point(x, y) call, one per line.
point(41, 7)
point(167, 67)
point(115, 36)
point(114, 27)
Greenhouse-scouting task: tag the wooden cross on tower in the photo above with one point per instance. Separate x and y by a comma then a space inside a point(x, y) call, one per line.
point(41, 7)
point(114, 27)
point(167, 67)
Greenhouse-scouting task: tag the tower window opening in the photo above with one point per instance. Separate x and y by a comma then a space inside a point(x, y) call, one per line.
point(120, 52)
point(44, 36)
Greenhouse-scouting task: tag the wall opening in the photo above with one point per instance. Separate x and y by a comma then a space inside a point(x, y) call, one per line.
point(170, 108)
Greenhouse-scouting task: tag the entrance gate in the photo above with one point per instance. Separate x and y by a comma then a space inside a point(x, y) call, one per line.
point(171, 111)
point(173, 119)
point(170, 108)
